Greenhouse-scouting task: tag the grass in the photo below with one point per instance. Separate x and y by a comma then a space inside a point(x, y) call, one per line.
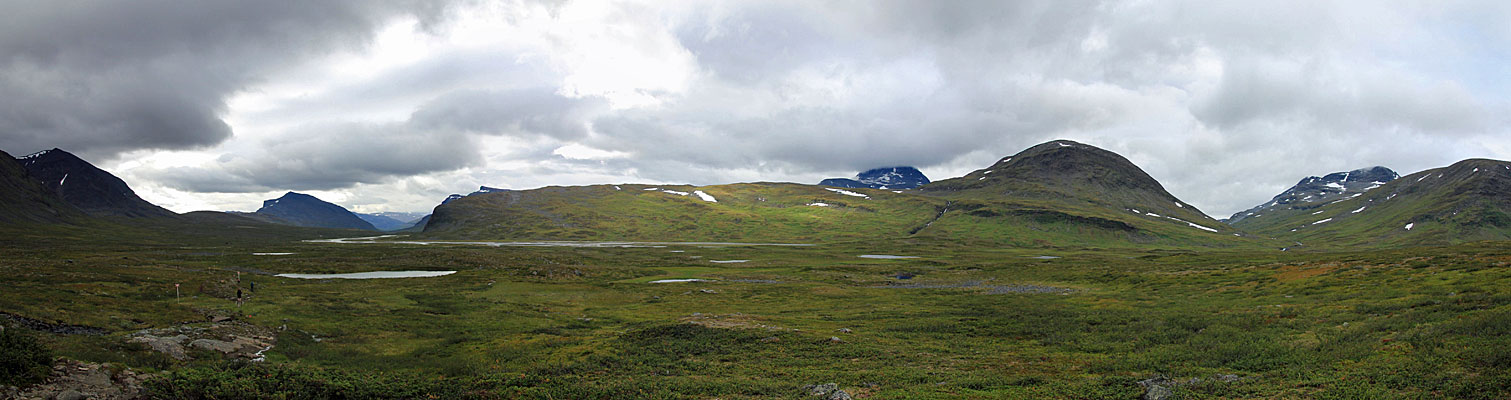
point(781, 212)
point(526, 322)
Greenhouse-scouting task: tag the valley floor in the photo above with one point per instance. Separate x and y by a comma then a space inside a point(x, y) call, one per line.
point(955, 322)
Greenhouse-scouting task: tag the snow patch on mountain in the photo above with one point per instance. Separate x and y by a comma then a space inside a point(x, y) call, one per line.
point(847, 192)
point(1314, 190)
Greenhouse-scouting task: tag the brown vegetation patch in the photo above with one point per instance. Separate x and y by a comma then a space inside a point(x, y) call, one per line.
point(730, 321)
point(1296, 272)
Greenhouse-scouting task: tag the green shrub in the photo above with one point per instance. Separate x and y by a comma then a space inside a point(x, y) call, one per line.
point(22, 360)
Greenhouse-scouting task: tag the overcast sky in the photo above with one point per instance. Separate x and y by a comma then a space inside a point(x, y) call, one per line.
point(390, 106)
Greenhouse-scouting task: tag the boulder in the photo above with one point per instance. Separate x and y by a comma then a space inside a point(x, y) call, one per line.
point(171, 345)
point(70, 394)
point(821, 390)
point(1157, 392)
point(216, 345)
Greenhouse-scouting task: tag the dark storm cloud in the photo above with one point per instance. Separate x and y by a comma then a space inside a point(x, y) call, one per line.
point(103, 77)
point(1226, 103)
point(441, 136)
point(328, 156)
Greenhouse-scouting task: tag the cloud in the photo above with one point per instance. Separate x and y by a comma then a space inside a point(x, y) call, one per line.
point(535, 111)
point(1226, 103)
point(327, 156)
point(442, 135)
point(103, 77)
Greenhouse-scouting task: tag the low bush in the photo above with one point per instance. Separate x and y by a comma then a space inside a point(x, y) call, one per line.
point(23, 361)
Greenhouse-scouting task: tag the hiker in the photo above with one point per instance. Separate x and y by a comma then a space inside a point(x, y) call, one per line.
point(238, 297)
point(254, 286)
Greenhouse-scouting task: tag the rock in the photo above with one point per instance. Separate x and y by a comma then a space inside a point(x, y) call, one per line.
point(835, 340)
point(1159, 387)
point(219, 318)
point(70, 394)
point(172, 346)
point(844, 330)
point(821, 390)
point(212, 344)
point(1228, 378)
point(709, 291)
point(1157, 392)
point(840, 395)
point(772, 339)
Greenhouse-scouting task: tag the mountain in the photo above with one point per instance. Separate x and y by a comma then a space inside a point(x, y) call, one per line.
point(1061, 194)
point(418, 226)
point(1313, 192)
point(300, 209)
point(763, 212)
point(26, 200)
point(1078, 184)
point(393, 220)
point(87, 187)
point(895, 178)
point(408, 218)
point(384, 223)
point(480, 190)
point(1467, 201)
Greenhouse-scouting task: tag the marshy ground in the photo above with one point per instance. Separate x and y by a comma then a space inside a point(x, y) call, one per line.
point(955, 322)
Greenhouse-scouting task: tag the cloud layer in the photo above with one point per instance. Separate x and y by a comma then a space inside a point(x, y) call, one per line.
point(391, 105)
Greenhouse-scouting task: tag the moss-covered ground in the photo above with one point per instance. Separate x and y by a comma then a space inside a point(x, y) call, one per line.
point(582, 322)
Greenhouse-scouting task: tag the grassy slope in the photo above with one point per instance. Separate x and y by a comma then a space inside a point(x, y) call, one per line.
point(580, 322)
point(777, 212)
point(1446, 205)
point(1054, 195)
point(1063, 192)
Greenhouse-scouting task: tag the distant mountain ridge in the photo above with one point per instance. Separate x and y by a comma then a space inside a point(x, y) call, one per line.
point(1057, 194)
point(1313, 191)
point(383, 223)
point(895, 178)
point(300, 209)
point(1467, 201)
point(25, 199)
point(392, 220)
point(93, 190)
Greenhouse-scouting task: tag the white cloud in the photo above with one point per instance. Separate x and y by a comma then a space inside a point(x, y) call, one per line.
point(1226, 103)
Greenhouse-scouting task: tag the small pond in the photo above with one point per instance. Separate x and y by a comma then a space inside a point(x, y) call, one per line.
point(885, 256)
point(370, 275)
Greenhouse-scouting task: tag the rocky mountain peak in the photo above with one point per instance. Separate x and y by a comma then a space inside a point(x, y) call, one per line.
point(897, 178)
point(91, 189)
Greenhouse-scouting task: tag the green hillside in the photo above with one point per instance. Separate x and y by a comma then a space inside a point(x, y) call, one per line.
point(1090, 195)
point(1465, 202)
point(1055, 195)
point(784, 212)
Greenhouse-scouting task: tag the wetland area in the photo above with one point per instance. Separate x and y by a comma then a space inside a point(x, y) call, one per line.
point(947, 321)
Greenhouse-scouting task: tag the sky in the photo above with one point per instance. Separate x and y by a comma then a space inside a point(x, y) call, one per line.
point(392, 105)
